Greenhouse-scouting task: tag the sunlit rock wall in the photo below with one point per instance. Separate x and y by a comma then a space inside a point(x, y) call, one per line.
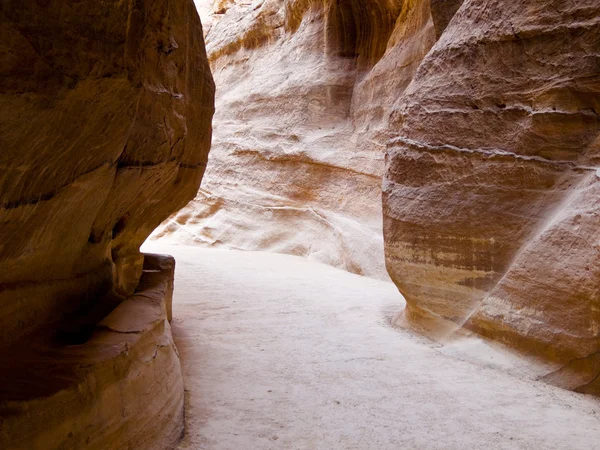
point(488, 115)
point(491, 213)
point(303, 95)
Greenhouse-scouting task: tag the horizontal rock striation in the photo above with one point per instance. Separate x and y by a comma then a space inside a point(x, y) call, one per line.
point(491, 187)
point(304, 91)
point(121, 389)
point(105, 128)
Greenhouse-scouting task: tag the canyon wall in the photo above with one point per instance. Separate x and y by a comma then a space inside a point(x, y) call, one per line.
point(105, 127)
point(304, 93)
point(487, 114)
point(299, 142)
point(491, 210)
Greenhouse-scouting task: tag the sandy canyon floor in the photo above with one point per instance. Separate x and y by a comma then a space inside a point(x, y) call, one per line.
point(282, 353)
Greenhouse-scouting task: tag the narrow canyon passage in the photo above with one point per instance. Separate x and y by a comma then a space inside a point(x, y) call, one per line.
point(384, 215)
point(283, 353)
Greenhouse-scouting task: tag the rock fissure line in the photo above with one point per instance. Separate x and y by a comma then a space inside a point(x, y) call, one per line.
point(487, 152)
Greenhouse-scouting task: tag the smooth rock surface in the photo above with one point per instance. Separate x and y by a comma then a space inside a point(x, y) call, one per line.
point(489, 112)
point(491, 212)
point(120, 389)
point(105, 127)
point(282, 353)
point(303, 95)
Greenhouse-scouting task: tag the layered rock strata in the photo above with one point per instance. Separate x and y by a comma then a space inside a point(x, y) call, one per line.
point(303, 95)
point(105, 130)
point(105, 127)
point(120, 389)
point(491, 212)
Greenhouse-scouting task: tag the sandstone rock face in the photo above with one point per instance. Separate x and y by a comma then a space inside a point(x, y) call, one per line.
point(303, 95)
point(105, 127)
point(491, 213)
point(105, 131)
point(121, 389)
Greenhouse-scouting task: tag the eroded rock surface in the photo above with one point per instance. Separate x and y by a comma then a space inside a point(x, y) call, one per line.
point(105, 130)
point(105, 127)
point(121, 389)
point(489, 114)
point(491, 213)
point(303, 95)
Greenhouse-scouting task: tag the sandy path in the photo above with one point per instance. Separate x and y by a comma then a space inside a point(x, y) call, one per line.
point(282, 353)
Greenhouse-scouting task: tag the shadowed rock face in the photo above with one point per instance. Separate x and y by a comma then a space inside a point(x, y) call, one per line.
point(121, 388)
point(105, 129)
point(442, 12)
point(491, 212)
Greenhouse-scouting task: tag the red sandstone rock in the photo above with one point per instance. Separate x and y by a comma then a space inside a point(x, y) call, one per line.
point(121, 388)
point(105, 127)
point(105, 131)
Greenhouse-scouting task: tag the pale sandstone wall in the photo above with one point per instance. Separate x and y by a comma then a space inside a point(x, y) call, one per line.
point(489, 113)
point(304, 93)
point(298, 146)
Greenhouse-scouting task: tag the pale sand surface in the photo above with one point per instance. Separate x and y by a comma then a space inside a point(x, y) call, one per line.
point(282, 353)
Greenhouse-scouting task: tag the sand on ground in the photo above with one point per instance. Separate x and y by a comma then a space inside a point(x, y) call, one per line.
point(282, 353)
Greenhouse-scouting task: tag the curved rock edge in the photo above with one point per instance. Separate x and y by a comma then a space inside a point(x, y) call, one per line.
point(127, 391)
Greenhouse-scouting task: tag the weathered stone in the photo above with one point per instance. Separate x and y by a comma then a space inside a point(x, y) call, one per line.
point(442, 12)
point(105, 127)
point(490, 193)
point(105, 130)
point(121, 388)
point(304, 92)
